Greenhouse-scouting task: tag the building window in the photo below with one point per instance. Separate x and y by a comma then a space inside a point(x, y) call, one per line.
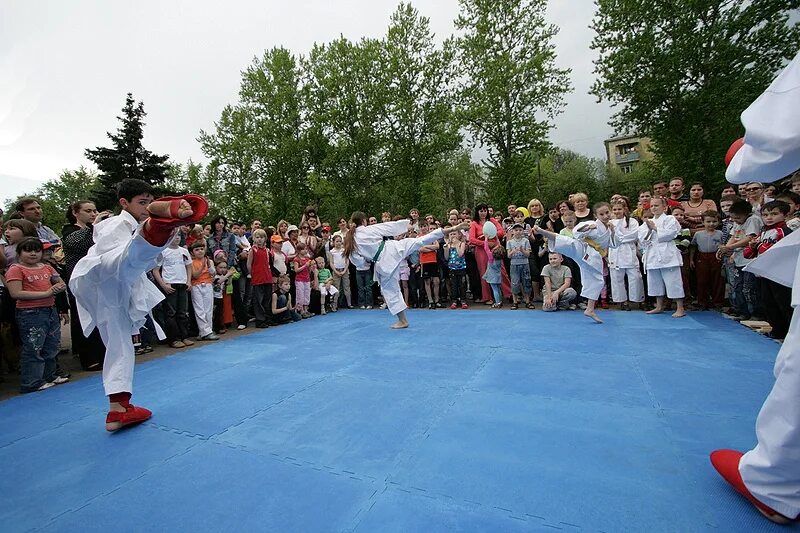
point(626, 169)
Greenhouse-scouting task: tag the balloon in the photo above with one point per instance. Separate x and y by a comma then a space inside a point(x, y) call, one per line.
point(524, 211)
point(490, 230)
point(737, 144)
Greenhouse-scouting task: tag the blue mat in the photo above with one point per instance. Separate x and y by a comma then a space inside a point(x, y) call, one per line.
point(468, 421)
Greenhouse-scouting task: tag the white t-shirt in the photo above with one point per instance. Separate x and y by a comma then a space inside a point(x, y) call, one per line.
point(752, 226)
point(339, 261)
point(288, 248)
point(173, 263)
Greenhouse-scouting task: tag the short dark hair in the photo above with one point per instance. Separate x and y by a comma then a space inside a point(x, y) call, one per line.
point(29, 244)
point(26, 201)
point(791, 196)
point(28, 228)
point(781, 206)
point(729, 198)
point(199, 243)
point(741, 207)
point(710, 214)
point(130, 187)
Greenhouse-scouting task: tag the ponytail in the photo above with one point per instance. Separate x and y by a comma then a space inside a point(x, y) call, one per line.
point(356, 220)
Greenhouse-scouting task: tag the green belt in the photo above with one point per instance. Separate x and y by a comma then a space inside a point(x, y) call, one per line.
point(378, 253)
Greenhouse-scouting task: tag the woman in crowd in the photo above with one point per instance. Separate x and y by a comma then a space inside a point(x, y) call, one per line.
point(695, 206)
point(478, 240)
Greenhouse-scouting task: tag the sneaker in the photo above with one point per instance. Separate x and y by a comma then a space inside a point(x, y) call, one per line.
point(177, 344)
point(187, 342)
point(582, 305)
point(240, 327)
point(363, 307)
point(453, 306)
point(383, 305)
point(439, 305)
point(464, 306)
point(60, 379)
point(431, 305)
point(323, 312)
point(572, 307)
point(210, 337)
point(46, 385)
point(369, 307)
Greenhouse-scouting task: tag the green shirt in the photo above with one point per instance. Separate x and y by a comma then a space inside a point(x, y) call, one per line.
point(323, 275)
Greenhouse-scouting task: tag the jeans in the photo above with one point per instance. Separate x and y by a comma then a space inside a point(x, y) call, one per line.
point(746, 293)
point(40, 331)
point(364, 284)
point(521, 279)
point(498, 294)
point(176, 311)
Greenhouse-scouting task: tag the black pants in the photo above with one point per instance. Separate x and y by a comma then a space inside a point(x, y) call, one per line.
point(176, 313)
point(473, 275)
point(458, 279)
point(262, 303)
point(776, 300)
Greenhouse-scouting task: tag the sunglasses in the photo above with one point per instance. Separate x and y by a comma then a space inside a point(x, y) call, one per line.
point(753, 189)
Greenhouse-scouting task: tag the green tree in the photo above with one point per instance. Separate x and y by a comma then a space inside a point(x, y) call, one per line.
point(511, 88)
point(127, 158)
point(683, 72)
point(418, 116)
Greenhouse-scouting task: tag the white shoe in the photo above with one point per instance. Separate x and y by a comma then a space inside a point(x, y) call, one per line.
point(241, 327)
point(369, 307)
point(59, 380)
point(46, 385)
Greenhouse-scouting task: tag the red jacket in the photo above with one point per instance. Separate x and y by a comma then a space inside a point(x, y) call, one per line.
point(769, 236)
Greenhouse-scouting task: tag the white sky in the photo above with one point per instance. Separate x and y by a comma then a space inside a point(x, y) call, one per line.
point(65, 68)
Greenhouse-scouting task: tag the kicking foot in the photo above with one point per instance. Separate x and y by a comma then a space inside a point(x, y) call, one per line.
point(679, 314)
point(654, 311)
point(400, 324)
point(177, 208)
point(726, 463)
point(127, 416)
point(593, 316)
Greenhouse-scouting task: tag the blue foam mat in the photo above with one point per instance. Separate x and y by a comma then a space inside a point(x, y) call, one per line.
point(476, 421)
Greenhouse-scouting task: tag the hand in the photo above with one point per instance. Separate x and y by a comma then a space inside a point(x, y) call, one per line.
point(58, 288)
point(586, 228)
point(691, 265)
point(552, 299)
point(610, 228)
point(167, 288)
point(64, 317)
point(650, 223)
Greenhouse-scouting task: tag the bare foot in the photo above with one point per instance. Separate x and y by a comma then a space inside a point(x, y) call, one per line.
point(161, 209)
point(401, 324)
point(654, 311)
point(679, 314)
point(593, 316)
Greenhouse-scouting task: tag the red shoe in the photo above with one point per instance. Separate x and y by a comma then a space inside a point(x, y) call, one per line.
point(132, 415)
point(453, 305)
point(726, 462)
point(464, 306)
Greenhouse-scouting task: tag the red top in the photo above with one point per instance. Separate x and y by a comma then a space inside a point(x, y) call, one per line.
point(305, 274)
point(427, 257)
point(476, 232)
point(34, 279)
point(260, 273)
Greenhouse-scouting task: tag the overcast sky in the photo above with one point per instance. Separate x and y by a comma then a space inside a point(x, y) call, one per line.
point(65, 68)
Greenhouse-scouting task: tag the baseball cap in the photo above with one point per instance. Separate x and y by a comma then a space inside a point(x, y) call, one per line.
point(276, 238)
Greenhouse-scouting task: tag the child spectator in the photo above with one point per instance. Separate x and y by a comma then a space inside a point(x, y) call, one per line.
point(776, 298)
point(326, 286)
point(703, 259)
point(279, 264)
point(728, 268)
point(414, 274)
point(222, 276)
point(746, 226)
point(430, 268)
point(662, 260)
point(302, 280)
point(341, 269)
point(261, 276)
point(793, 200)
point(557, 280)
point(34, 286)
point(457, 263)
point(683, 241)
point(519, 249)
point(202, 290)
point(623, 261)
point(172, 277)
point(282, 309)
point(494, 275)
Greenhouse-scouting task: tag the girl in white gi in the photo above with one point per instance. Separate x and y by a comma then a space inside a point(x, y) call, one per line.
point(112, 291)
point(769, 475)
point(662, 259)
point(588, 249)
point(622, 256)
point(364, 243)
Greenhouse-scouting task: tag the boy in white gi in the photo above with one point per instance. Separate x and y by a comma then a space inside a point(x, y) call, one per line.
point(112, 290)
point(769, 475)
point(365, 243)
point(588, 249)
point(662, 259)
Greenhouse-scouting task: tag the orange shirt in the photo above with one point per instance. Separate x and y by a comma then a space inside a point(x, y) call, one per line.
point(205, 275)
point(427, 257)
point(34, 279)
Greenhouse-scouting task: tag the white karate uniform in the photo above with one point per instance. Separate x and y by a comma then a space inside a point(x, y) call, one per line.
point(624, 261)
point(771, 471)
point(589, 260)
point(662, 259)
point(114, 294)
point(387, 268)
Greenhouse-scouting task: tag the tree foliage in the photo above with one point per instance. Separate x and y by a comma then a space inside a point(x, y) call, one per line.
point(682, 72)
point(127, 158)
point(510, 87)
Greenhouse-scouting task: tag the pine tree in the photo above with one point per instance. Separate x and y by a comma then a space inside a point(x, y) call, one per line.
point(128, 158)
